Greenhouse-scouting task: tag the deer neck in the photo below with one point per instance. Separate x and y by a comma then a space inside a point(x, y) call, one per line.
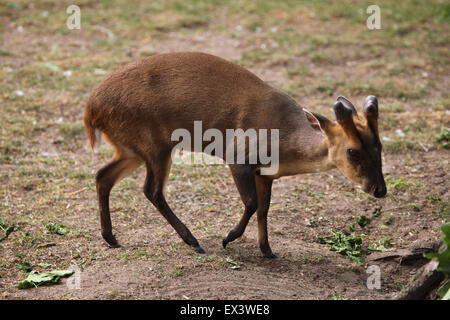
point(318, 158)
point(310, 155)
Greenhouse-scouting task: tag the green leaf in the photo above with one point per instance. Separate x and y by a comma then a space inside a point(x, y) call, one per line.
point(36, 279)
point(444, 292)
point(25, 266)
point(57, 229)
point(376, 212)
point(363, 221)
point(434, 198)
point(51, 66)
point(447, 295)
point(444, 257)
point(235, 265)
point(200, 259)
point(315, 195)
point(7, 229)
point(348, 245)
point(381, 245)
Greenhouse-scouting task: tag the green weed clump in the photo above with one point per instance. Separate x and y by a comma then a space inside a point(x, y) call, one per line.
point(348, 245)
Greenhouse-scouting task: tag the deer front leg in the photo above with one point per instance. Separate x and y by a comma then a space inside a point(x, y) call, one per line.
point(263, 189)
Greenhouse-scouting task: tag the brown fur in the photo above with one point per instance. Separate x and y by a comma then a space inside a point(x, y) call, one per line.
point(137, 107)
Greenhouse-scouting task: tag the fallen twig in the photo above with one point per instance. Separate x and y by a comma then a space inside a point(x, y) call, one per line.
point(426, 279)
point(78, 191)
point(404, 255)
point(109, 33)
point(423, 147)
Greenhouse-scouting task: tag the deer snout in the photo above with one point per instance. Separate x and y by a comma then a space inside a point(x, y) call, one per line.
point(380, 191)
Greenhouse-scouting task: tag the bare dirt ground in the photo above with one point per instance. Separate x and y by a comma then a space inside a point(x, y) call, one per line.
point(315, 54)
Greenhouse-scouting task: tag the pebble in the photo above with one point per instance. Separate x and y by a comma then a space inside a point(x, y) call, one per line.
point(400, 132)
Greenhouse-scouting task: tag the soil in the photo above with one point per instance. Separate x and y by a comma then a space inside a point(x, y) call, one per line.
point(304, 268)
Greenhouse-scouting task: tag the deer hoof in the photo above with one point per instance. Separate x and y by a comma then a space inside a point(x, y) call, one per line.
point(199, 249)
point(111, 240)
point(224, 242)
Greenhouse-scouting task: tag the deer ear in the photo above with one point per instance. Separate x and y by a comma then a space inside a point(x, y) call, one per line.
point(317, 122)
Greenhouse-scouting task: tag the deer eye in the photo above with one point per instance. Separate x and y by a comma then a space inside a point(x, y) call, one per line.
point(353, 154)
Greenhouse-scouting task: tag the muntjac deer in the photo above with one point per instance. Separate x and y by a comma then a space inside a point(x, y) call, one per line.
point(137, 108)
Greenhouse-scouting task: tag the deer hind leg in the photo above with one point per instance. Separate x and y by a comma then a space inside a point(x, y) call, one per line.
point(106, 178)
point(157, 172)
point(244, 178)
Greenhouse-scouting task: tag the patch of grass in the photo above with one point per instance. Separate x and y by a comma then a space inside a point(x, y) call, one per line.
point(402, 184)
point(348, 245)
point(376, 212)
point(444, 137)
point(234, 265)
point(178, 270)
point(4, 52)
point(444, 210)
point(302, 70)
point(59, 229)
point(143, 254)
point(434, 198)
point(381, 245)
point(315, 195)
point(363, 221)
point(72, 129)
point(442, 206)
point(312, 259)
point(400, 145)
point(200, 259)
point(393, 108)
point(443, 13)
point(400, 285)
point(399, 89)
point(7, 229)
point(253, 57)
point(25, 266)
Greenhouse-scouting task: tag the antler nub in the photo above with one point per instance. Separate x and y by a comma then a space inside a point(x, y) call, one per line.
point(341, 111)
point(371, 105)
point(348, 104)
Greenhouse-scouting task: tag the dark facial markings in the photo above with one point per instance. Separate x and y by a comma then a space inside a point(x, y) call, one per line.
point(353, 155)
point(371, 155)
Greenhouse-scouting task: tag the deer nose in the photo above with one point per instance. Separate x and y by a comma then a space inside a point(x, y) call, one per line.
point(380, 192)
